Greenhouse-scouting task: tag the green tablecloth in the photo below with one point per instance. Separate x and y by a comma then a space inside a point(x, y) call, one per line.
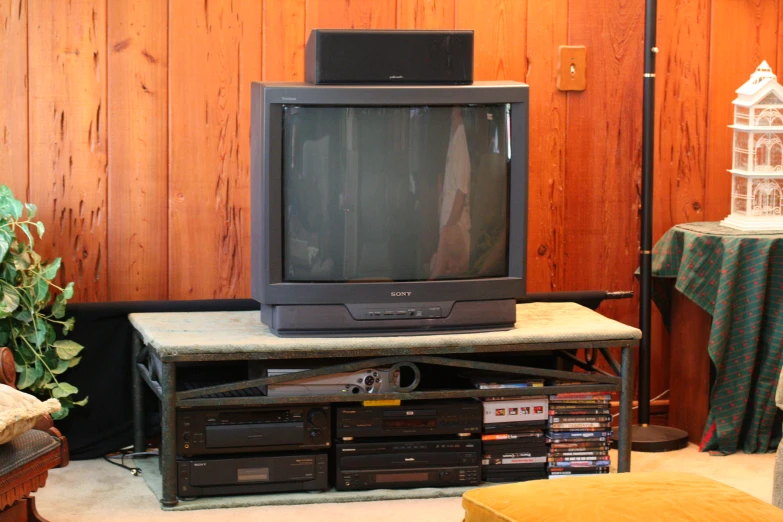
point(737, 278)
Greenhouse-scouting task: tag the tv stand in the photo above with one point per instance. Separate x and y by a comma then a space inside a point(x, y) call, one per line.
point(165, 342)
point(401, 318)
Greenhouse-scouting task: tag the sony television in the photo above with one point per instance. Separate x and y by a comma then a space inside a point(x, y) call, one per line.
point(388, 210)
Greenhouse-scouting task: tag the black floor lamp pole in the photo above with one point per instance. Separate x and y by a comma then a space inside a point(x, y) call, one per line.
point(646, 437)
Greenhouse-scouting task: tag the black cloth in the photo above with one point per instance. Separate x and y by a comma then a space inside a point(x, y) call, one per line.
point(105, 424)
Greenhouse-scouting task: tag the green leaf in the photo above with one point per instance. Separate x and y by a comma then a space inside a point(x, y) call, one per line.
point(51, 358)
point(29, 375)
point(68, 325)
point(26, 231)
point(9, 272)
point(36, 336)
point(23, 315)
point(82, 402)
point(58, 307)
point(50, 271)
point(67, 350)
point(61, 413)
point(46, 378)
point(51, 385)
point(73, 362)
point(5, 242)
point(41, 289)
point(60, 367)
point(10, 299)
point(4, 337)
point(68, 290)
point(51, 335)
point(63, 390)
point(40, 226)
point(31, 210)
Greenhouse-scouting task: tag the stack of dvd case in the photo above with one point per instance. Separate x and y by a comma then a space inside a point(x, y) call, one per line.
point(513, 441)
point(579, 434)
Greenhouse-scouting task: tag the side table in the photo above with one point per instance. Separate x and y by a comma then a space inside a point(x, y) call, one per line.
point(737, 278)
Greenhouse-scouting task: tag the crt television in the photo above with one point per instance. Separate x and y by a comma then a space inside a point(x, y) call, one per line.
point(388, 210)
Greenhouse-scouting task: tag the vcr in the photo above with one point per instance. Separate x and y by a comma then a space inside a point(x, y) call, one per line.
point(231, 430)
point(399, 464)
point(236, 476)
point(420, 418)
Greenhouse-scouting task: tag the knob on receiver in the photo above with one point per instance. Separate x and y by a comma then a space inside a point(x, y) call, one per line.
point(318, 418)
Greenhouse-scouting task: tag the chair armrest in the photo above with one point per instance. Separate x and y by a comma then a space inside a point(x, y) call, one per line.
point(7, 367)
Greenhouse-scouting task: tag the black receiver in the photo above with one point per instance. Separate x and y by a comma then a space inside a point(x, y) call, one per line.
point(205, 432)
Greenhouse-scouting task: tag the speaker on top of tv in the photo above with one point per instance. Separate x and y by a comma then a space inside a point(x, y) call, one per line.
point(389, 57)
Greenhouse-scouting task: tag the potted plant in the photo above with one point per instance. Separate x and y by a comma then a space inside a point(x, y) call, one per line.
point(32, 306)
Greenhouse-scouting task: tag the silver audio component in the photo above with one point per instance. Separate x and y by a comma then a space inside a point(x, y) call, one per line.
point(372, 380)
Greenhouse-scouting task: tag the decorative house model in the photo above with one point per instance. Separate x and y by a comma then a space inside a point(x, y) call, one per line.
point(757, 167)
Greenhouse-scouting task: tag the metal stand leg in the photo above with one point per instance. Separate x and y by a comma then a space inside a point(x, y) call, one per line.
point(138, 396)
point(168, 433)
point(626, 399)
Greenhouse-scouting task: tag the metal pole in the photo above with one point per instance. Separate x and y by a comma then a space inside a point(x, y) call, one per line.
point(645, 255)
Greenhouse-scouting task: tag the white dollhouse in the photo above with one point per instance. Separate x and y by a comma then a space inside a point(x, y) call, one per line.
point(757, 167)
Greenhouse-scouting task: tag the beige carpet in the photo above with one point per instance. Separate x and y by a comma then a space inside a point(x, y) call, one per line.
point(97, 491)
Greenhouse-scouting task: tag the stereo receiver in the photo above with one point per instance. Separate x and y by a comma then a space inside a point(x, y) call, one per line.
point(231, 430)
point(421, 418)
point(235, 476)
point(400, 464)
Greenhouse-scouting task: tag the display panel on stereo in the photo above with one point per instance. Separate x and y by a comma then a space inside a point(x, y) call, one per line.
point(281, 428)
point(419, 418)
point(250, 474)
point(406, 464)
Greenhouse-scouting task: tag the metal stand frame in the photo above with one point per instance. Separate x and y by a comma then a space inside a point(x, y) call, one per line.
point(165, 389)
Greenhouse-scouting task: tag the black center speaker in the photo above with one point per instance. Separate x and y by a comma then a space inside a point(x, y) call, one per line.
point(389, 57)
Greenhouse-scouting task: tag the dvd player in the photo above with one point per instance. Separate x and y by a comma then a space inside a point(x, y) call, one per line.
point(420, 418)
point(267, 474)
point(240, 430)
point(407, 464)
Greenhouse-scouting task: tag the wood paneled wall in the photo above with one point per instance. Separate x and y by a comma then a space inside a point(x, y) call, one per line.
point(127, 123)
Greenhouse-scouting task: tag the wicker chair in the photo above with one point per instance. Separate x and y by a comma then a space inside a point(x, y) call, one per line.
point(25, 461)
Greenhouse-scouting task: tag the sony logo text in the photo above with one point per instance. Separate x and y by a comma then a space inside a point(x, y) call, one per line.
point(400, 294)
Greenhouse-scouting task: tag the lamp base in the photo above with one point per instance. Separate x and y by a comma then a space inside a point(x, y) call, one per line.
point(655, 439)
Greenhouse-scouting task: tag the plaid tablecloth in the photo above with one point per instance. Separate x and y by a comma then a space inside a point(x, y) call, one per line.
point(737, 278)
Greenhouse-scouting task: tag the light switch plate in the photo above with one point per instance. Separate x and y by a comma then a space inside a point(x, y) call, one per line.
point(571, 68)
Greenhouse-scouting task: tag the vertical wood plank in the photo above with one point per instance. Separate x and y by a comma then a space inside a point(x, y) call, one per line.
point(138, 149)
point(214, 55)
point(744, 34)
point(603, 157)
point(13, 96)
point(500, 36)
point(547, 30)
point(350, 14)
point(425, 14)
point(682, 77)
point(284, 40)
point(68, 115)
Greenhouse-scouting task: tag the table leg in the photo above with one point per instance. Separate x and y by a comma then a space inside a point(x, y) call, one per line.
point(168, 434)
point(626, 399)
point(138, 396)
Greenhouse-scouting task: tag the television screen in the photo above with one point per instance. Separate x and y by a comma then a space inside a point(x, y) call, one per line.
point(399, 193)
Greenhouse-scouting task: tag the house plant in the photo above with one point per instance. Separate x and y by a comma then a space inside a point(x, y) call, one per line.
point(32, 306)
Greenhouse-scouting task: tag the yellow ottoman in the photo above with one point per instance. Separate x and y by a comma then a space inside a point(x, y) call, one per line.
point(661, 496)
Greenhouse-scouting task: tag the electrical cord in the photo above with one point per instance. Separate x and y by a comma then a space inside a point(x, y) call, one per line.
point(651, 400)
point(124, 453)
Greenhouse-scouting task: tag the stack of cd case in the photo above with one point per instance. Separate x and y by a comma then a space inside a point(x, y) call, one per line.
point(513, 457)
point(513, 441)
point(579, 434)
